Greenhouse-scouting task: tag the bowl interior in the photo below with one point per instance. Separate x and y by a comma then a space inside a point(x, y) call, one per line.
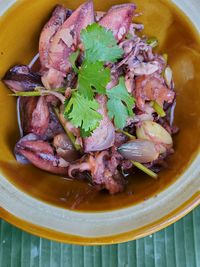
point(20, 29)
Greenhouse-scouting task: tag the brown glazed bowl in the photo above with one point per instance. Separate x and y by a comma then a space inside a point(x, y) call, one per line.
point(50, 206)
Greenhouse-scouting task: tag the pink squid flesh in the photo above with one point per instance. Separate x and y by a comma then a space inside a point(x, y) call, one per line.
point(58, 17)
point(103, 137)
point(65, 148)
point(37, 117)
point(40, 117)
point(64, 42)
point(118, 19)
point(103, 170)
point(41, 154)
point(21, 78)
point(152, 88)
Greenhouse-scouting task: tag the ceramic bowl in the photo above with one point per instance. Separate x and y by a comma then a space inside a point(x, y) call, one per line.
point(41, 203)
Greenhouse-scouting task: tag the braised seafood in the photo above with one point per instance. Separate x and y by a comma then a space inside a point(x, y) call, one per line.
point(101, 102)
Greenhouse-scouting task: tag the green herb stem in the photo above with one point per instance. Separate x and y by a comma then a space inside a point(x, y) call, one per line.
point(158, 109)
point(58, 90)
point(132, 137)
point(69, 134)
point(39, 91)
point(144, 169)
point(32, 93)
point(152, 41)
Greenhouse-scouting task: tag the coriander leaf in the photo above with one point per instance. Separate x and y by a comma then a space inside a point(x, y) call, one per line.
point(93, 75)
point(117, 111)
point(100, 44)
point(120, 104)
point(84, 133)
point(73, 57)
point(82, 112)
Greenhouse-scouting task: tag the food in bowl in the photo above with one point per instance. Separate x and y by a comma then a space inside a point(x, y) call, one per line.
point(99, 102)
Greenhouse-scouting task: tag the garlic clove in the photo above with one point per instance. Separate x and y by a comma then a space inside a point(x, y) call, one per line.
point(149, 130)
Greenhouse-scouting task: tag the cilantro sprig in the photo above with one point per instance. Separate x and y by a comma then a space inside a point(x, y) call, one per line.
point(100, 47)
point(82, 112)
point(120, 104)
point(93, 77)
point(100, 44)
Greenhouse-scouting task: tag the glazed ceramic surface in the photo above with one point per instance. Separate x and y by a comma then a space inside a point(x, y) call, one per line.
point(44, 204)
